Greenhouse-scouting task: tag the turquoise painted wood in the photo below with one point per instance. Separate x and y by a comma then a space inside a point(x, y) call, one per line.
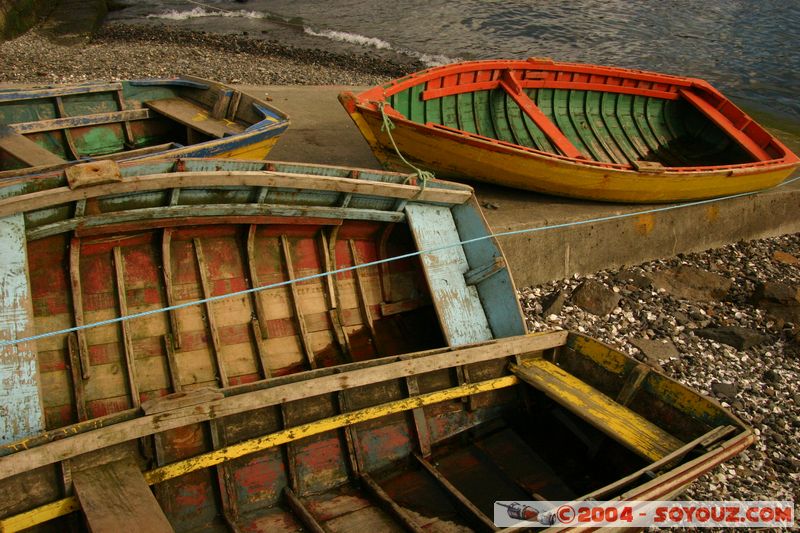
point(458, 305)
point(504, 314)
point(21, 412)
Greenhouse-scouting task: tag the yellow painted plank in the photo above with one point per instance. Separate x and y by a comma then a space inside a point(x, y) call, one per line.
point(607, 358)
point(620, 423)
point(321, 426)
point(39, 515)
point(683, 399)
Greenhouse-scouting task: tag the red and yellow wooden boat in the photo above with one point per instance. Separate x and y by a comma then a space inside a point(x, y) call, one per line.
point(582, 131)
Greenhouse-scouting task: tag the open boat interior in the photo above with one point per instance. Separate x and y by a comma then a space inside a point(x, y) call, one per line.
point(418, 442)
point(606, 115)
point(104, 240)
point(47, 127)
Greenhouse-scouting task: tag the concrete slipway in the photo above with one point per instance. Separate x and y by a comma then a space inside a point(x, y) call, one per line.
point(321, 132)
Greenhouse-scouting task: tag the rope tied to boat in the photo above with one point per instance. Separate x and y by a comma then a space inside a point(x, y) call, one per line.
point(422, 175)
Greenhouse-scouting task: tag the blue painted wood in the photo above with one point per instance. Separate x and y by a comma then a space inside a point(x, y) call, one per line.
point(33, 94)
point(174, 83)
point(497, 292)
point(457, 305)
point(21, 411)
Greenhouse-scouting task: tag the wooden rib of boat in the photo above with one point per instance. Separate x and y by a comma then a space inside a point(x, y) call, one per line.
point(582, 131)
point(101, 240)
point(400, 443)
point(45, 128)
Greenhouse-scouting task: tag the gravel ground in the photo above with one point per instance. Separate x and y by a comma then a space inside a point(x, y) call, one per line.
point(120, 51)
point(758, 383)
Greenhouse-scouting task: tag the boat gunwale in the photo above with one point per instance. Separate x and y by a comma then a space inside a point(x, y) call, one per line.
point(341, 377)
point(367, 102)
point(360, 182)
point(664, 486)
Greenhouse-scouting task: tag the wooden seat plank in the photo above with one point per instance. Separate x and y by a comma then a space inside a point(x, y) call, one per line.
point(194, 116)
point(629, 428)
point(81, 121)
point(115, 496)
point(26, 150)
point(457, 304)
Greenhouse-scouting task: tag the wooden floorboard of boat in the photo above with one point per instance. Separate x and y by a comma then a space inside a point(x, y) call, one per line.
point(115, 496)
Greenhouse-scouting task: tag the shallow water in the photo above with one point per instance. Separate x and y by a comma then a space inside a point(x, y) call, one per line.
point(747, 49)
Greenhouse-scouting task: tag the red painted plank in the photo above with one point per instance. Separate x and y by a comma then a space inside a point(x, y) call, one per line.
point(553, 84)
point(430, 94)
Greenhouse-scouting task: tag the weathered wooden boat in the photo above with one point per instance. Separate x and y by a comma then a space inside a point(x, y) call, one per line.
point(582, 131)
point(102, 240)
point(44, 128)
point(418, 442)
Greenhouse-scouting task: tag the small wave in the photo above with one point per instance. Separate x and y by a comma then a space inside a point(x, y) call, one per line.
point(199, 12)
point(430, 60)
point(354, 38)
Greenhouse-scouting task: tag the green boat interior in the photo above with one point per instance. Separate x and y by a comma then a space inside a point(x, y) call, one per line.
point(604, 126)
point(127, 119)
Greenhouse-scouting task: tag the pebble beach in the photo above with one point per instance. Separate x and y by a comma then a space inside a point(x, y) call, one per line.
point(724, 321)
point(121, 51)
